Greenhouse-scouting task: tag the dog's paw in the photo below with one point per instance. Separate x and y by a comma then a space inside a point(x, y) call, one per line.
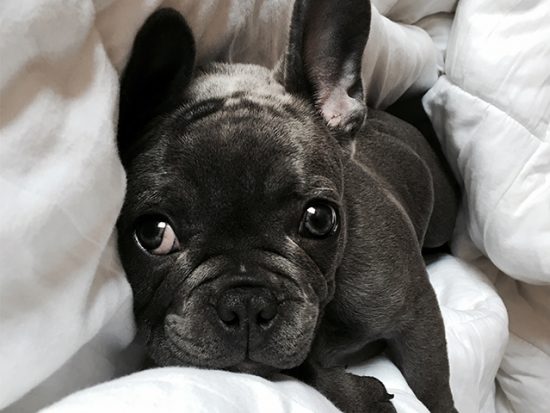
point(378, 399)
point(357, 394)
point(384, 407)
point(377, 390)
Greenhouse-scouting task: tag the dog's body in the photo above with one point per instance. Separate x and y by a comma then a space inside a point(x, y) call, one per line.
point(257, 239)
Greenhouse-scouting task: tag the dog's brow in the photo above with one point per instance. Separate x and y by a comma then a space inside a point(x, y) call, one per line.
point(284, 192)
point(147, 200)
point(320, 186)
point(320, 181)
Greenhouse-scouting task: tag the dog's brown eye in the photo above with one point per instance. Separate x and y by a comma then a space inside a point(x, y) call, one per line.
point(319, 220)
point(156, 235)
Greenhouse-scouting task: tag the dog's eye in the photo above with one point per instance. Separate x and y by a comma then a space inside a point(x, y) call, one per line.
point(156, 235)
point(319, 220)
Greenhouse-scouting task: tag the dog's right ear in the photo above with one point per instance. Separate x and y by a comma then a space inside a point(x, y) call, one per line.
point(323, 60)
point(160, 67)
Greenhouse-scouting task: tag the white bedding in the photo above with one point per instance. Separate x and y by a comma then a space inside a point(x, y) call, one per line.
point(65, 307)
point(491, 111)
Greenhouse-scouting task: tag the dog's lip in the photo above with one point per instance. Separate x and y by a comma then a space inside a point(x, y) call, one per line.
point(174, 337)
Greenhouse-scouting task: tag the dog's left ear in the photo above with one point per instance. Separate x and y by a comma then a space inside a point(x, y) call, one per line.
point(158, 71)
point(323, 59)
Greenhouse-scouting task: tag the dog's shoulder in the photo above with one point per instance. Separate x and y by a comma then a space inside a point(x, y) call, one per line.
point(380, 124)
point(392, 148)
point(399, 159)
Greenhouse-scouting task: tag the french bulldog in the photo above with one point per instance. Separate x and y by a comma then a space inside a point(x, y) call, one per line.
point(269, 224)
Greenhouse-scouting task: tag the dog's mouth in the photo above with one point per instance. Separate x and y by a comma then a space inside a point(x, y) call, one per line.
point(232, 360)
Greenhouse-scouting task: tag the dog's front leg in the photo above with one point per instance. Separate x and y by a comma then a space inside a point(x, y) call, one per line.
point(348, 392)
point(419, 349)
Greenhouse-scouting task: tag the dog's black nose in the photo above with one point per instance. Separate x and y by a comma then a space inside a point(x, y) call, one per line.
point(252, 305)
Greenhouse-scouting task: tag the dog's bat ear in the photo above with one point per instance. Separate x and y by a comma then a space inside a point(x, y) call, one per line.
point(323, 59)
point(158, 70)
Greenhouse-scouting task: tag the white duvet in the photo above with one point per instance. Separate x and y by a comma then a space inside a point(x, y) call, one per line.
point(65, 307)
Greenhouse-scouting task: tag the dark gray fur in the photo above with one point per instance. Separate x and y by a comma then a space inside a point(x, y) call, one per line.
point(231, 154)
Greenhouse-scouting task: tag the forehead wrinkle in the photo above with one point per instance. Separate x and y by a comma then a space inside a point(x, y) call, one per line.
point(166, 197)
point(161, 181)
point(228, 114)
point(222, 80)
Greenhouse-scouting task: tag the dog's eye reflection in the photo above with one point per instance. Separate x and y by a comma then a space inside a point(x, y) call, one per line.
point(156, 235)
point(319, 220)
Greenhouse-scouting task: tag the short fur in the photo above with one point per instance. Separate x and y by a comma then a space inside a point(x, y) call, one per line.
point(231, 155)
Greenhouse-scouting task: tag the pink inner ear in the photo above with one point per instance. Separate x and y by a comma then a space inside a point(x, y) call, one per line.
point(342, 111)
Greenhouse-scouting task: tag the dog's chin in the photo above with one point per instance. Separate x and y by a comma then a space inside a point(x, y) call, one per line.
point(252, 367)
point(245, 365)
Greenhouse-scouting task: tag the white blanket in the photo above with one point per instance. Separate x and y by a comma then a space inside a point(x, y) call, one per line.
point(491, 110)
point(65, 307)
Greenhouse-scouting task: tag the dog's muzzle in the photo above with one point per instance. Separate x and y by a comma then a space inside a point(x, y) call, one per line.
point(250, 324)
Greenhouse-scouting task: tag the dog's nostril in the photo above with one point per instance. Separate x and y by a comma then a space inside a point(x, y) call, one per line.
point(228, 311)
point(229, 317)
point(267, 314)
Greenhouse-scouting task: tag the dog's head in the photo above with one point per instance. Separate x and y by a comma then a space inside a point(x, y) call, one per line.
point(234, 220)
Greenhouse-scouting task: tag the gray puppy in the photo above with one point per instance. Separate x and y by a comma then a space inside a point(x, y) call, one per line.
point(267, 226)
